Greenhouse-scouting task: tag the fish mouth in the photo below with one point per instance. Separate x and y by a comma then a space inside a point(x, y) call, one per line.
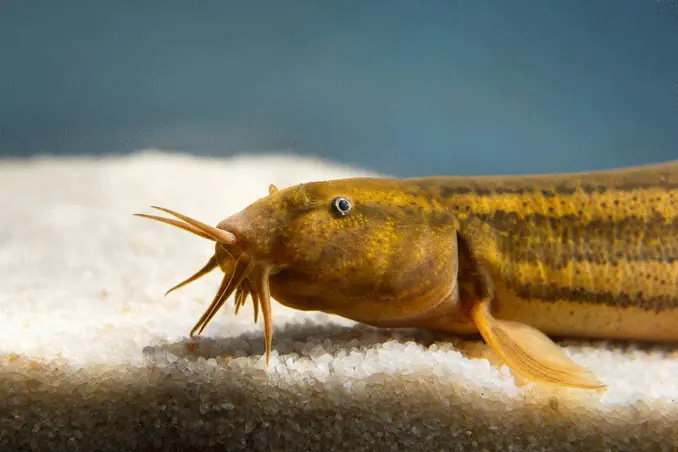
point(242, 275)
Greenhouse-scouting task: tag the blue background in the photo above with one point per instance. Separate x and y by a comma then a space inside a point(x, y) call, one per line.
point(403, 87)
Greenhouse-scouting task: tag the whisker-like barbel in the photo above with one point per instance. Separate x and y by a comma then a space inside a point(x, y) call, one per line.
point(177, 224)
point(239, 298)
point(255, 298)
point(209, 266)
point(221, 297)
point(264, 294)
point(223, 287)
point(243, 291)
point(228, 286)
point(216, 234)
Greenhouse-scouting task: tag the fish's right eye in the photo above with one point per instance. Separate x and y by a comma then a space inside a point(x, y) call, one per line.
point(341, 206)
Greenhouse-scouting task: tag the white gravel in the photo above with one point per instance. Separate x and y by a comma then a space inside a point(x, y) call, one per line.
point(93, 357)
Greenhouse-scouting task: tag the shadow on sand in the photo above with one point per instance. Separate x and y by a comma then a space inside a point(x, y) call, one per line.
point(304, 339)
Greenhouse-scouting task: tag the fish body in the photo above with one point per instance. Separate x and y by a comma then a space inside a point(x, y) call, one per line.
point(589, 255)
point(515, 258)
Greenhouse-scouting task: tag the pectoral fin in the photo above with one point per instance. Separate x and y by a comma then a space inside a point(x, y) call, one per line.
point(530, 353)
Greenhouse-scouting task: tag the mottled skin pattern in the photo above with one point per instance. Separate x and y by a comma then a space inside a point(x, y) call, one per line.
point(593, 255)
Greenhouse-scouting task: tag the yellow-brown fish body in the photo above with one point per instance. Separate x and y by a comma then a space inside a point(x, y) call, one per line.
point(589, 255)
point(514, 257)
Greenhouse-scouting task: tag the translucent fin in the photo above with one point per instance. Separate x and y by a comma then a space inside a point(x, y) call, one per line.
point(209, 266)
point(530, 353)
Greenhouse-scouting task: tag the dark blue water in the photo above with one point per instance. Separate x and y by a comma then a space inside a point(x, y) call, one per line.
point(405, 87)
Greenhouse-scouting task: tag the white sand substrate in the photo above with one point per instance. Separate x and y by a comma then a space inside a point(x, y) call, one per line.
point(94, 357)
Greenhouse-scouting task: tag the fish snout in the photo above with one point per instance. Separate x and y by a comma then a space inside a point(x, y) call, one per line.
point(237, 225)
point(255, 233)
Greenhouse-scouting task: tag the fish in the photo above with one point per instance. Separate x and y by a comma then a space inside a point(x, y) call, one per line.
point(517, 259)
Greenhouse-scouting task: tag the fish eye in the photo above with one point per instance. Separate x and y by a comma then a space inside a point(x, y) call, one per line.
point(341, 205)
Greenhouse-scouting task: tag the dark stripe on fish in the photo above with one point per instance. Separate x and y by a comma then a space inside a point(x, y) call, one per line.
point(554, 293)
point(555, 241)
point(657, 181)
